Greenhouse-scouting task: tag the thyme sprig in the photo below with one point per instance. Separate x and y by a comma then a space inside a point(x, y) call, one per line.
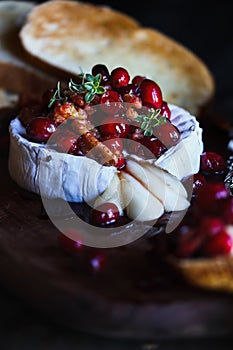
point(57, 96)
point(90, 85)
point(150, 121)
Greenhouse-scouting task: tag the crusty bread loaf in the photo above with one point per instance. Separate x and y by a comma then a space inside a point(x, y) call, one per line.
point(70, 35)
point(17, 74)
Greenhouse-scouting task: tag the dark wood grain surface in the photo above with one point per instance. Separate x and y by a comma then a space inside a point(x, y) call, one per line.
point(136, 296)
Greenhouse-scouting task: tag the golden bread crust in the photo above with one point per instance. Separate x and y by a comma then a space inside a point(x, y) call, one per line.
point(71, 35)
point(208, 273)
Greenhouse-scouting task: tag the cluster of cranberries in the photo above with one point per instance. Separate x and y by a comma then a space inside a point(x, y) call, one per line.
point(113, 125)
point(207, 228)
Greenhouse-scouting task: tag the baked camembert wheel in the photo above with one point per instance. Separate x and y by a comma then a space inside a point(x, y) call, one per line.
point(107, 140)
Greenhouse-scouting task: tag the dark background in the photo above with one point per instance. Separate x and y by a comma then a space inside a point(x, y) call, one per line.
point(205, 28)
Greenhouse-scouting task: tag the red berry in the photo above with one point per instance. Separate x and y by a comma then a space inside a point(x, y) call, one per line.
point(154, 145)
point(137, 80)
point(210, 196)
point(106, 213)
point(40, 129)
point(114, 144)
point(114, 127)
point(78, 99)
point(127, 91)
point(165, 110)
point(110, 102)
point(198, 181)
point(210, 225)
point(67, 142)
point(212, 162)
point(136, 148)
point(226, 211)
point(121, 163)
point(119, 77)
point(70, 245)
point(188, 242)
point(218, 244)
point(97, 260)
point(151, 94)
point(101, 69)
point(168, 134)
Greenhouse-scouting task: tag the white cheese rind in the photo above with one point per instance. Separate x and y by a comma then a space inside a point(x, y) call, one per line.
point(184, 158)
point(75, 179)
point(52, 174)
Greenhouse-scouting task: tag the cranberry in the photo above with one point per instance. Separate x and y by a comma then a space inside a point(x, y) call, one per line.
point(105, 213)
point(218, 244)
point(154, 145)
point(119, 77)
point(114, 127)
point(165, 110)
point(40, 129)
point(78, 99)
point(114, 144)
point(110, 102)
point(69, 245)
point(226, 211)
point(210, 225)
point(198, 181)
point(97, 261)
point(66, 141)
point(210, 196)
point(103, 70)
point(151, 94)
point(121, 163)
point(168, 134)
point(130, 89)
point(136, 148)
point(137, 80)
point(212, 162)
point(188, 242)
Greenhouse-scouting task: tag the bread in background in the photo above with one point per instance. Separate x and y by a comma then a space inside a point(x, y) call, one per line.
point(71, 35)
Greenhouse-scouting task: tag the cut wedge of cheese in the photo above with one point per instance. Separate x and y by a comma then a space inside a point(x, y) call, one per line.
point(168, 189)
point(141, 204)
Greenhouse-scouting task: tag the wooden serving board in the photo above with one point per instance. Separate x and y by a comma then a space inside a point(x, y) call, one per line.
point(137, 295)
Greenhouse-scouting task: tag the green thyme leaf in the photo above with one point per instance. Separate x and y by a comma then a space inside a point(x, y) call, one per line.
point(90, 78)
point(151, 121)
point(90, 85)
point(57, 96)
point(97, 79)
point(100, 90)
point(89, 96)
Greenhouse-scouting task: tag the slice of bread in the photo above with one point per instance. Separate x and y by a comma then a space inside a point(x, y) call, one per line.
point(17, 75)
point(71, 35)
point(207, 273)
